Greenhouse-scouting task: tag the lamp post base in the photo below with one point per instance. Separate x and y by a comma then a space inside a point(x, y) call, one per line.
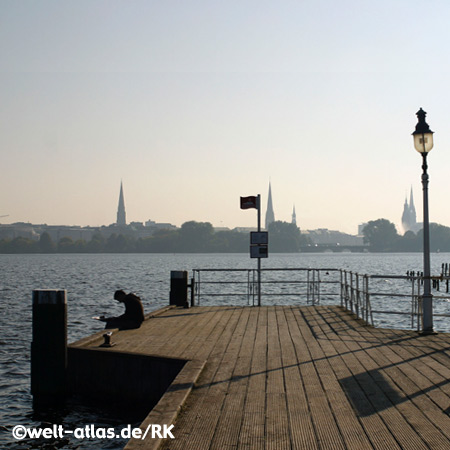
point(427, 333)
point(427, 306)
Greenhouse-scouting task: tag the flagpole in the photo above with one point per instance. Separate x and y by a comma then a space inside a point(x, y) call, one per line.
point(259, 259)
point(260, 242)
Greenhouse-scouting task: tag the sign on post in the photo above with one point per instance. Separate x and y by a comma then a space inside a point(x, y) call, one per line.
point(259, 237)
point(259, 241)
point(259, 251)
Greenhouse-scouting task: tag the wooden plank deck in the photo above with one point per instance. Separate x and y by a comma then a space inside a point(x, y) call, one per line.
point(293, 377)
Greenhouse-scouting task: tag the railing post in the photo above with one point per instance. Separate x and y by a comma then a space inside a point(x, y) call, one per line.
point(249, 287)
point(369, 306)
point(307, 287)
point(198, 287)
point(413, 303)
point(366, 299)
point(192, 291)
point(357, 294)
point(419, 302)
point(347, 296)
point(255, 285)
point(351, 292)
point(318, 286)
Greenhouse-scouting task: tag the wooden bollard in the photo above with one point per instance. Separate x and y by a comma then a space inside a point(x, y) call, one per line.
point(178, 288)
point(49, 347)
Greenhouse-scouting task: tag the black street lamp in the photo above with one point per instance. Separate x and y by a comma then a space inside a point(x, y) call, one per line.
point(423, 143)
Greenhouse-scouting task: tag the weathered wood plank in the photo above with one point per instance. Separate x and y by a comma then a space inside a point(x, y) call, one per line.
point(301, 427)
point(300, 377)
point(329, 334)
point(401, 385)
point(252, 435)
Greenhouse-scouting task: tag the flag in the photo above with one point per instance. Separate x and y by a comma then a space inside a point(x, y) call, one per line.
point(249, 202)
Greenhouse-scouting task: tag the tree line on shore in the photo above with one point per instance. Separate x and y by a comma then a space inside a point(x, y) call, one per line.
point(199, 237)
point(192, 237)
point(381, 236)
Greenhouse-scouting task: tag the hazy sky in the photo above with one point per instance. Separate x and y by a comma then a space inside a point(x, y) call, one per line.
point(195, 103)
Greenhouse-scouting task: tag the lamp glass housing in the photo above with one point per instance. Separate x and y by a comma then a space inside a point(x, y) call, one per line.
point(423, 142)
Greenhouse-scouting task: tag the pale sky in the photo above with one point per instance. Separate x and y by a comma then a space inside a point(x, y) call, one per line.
point(194, 103)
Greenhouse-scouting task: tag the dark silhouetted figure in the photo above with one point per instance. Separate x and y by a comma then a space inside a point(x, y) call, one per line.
point(134, 312)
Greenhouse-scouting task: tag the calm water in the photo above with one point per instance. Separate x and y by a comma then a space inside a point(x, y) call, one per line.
point(90, 281)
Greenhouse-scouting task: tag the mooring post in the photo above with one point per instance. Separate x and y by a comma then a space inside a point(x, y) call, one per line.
point(49, 347)
point(179, 288)
point(192, 286)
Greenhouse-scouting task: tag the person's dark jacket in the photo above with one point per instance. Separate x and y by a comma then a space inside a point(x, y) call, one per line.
point(134, 310)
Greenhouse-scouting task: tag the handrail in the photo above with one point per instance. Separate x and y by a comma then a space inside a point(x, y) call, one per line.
point(362, 294)
point(287, 287)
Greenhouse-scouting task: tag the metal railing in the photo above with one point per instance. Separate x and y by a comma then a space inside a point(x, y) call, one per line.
point(416, 303)
point(363, 295)
point(366, 295)
point(355, 295)
point(290, 284)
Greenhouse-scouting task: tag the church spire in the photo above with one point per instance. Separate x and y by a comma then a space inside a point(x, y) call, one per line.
point(406, 217)
point(294, 216)
point(409, 220)
point(121, 215)
point(270, 216)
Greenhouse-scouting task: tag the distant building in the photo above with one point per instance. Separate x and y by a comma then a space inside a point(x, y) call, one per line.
point(409, 220)
point(57, 232)
point(322, 236)
point(160, 226)
point(121, 215)
point(20, 229)
point(218, 229)
point(270, 216)
point(245, 229)
point(294, 216)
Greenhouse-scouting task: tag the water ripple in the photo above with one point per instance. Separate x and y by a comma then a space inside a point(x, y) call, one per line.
point(90, 281)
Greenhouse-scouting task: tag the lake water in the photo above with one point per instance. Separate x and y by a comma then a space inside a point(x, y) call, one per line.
point(90, 281)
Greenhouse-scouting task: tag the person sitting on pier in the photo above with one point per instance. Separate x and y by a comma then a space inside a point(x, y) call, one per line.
point(134, 312)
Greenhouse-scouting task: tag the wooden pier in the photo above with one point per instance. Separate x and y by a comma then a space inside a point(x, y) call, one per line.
point(293, 377)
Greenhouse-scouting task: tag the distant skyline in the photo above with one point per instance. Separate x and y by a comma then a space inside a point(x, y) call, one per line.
point(194, 104)
point(267, 211)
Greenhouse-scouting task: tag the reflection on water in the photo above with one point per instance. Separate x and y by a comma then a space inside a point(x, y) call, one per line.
point(90, 281)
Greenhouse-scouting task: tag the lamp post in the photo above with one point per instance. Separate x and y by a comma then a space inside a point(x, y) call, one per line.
point(423, 143)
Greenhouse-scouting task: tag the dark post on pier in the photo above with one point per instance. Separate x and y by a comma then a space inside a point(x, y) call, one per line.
point(178, 287)
point(49, 347)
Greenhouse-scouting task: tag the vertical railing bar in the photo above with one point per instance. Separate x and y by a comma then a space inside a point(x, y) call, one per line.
point(357, 294)
point(413, 303)
point(351, 292)
point(318, 287)
point(307, 287)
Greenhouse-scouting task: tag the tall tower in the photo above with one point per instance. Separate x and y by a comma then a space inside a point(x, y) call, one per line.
point(406, 218)
point(294, 216)
point(409, 219)
point(270, 216)
point(121, 215)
